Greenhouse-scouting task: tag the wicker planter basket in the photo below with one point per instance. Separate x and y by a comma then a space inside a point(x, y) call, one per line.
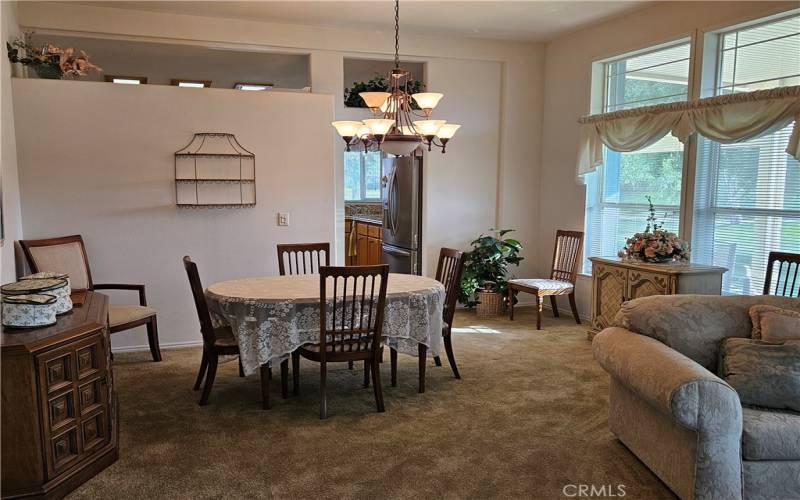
point(490, 304)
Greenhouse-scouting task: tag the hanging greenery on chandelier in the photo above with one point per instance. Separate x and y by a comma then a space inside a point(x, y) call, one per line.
point(393, 129)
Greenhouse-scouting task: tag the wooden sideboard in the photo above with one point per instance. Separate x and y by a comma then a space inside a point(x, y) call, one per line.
point(615, 281)
point(59, 408)
point(369, 241)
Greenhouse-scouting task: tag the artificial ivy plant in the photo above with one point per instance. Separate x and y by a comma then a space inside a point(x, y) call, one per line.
point(378, 83)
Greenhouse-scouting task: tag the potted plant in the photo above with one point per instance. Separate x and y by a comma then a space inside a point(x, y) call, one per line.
point(484, 282)
point(49, 61)
point(378, 83)
point(655, 244)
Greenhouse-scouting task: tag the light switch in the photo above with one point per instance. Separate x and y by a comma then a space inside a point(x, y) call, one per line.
point(283, 218)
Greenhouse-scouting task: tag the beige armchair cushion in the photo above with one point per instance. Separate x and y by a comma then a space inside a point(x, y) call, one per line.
point(545, 287)
point(121, 314)
point(66, 258)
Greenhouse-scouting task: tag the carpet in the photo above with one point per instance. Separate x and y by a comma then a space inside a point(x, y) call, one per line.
point(527, 420)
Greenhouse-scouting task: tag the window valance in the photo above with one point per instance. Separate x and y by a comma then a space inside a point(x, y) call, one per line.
point(725, 119)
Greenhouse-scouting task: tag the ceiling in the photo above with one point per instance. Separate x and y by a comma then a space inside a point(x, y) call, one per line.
point(532, 21)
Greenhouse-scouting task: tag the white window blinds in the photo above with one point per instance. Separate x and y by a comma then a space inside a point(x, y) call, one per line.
point(747, 195)
point(616, 206)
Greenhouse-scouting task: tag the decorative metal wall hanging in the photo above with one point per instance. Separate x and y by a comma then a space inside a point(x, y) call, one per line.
point(215, 171)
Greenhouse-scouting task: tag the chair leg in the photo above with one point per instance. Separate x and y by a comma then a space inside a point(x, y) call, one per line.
point(393, 362)
point(378, 387)
point(538, 312)
point(510, 303)
point(423, 357)
point(213, 359)
point(448, 347)
point(296, 372)
point(241, 368)
point(264, 371)
point(437, 361)
point(349, 365)
point(554, 305)
point(367, 362)
point(574, 308)
point(202, 372)
point(323, 402)
point(152, 339)
point(285, 378)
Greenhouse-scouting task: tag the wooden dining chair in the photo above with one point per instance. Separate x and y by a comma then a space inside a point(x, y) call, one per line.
point(448, 273)
point(303, 258)
point(352, 302)
point(67, 254)
point(786, 278)
point(566, 258)
point(218, 342)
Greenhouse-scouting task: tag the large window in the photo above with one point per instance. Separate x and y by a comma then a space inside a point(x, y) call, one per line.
point(362, 176)
point(616, 203)
point(747, 195)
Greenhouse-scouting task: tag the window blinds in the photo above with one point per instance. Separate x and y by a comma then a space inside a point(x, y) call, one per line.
point(747, 195)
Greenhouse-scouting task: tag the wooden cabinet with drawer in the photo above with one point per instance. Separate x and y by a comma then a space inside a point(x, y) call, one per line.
point(368, 241)
point(59, 420)
point(615, 281)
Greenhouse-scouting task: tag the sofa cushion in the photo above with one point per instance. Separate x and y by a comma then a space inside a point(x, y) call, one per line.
point(774, 324)
point(770, 434)
point(763, 373)
point(695, 325)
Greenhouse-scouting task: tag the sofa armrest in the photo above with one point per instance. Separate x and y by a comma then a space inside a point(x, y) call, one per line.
point(669, 381)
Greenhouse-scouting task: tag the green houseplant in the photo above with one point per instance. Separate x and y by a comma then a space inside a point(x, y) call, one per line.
point(377, 83)
point(486, 265)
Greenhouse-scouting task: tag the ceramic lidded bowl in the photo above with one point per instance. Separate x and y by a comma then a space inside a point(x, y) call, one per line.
point(51, 286)
point(50, 275)
point(29, 310)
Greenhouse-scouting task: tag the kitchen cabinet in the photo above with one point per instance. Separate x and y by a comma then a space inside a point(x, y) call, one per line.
point(615, 281)
point(367, 244)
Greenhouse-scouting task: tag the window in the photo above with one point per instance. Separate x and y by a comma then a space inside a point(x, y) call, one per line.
point(193, 84)
point(747, 195)
point(362, 176)
point(127, 80)
point(616, 204)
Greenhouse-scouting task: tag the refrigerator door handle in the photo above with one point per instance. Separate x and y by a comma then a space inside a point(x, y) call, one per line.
point(396, 251)
point(394, 194)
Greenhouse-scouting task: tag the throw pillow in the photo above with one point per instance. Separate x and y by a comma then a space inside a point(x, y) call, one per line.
point(774, 324)
point(763, 373)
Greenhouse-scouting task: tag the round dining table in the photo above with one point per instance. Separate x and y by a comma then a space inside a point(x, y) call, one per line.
point(274, 315)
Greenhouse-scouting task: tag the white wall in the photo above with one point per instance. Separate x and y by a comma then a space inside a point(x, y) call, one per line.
point(486, 83)
point(567, 94)
point(8, 154)
point(97, 159)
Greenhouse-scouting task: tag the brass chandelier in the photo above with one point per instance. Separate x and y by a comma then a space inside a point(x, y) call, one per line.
point(393, 129)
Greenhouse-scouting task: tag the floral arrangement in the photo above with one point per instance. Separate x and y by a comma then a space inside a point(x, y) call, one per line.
point(655, 244)
point(50, 61)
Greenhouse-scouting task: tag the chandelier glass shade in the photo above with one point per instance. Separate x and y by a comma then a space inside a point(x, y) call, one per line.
point(393, 128)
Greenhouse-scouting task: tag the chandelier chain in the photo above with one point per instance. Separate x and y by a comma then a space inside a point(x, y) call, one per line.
point(396, 33)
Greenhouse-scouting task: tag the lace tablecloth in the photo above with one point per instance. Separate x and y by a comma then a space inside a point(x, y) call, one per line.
point(272, 316)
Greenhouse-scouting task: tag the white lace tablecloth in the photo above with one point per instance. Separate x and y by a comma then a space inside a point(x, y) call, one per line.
point(272, 316)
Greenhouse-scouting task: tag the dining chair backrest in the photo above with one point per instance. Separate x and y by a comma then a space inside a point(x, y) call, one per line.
point(65, 254)
point(352, 301)
point(303, 258)
point(785, 280)
point(448, 273)
point(567, 255)
point(206, 326)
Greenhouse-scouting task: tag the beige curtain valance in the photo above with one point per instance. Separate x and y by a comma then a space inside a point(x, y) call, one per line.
point(725, 119)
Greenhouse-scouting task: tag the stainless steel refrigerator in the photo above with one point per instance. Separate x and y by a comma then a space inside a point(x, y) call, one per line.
point(401, 195)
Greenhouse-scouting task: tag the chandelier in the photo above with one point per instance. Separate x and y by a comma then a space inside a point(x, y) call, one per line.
point(393, 129)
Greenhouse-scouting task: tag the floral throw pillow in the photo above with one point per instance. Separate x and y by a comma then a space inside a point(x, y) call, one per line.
point(774, 324)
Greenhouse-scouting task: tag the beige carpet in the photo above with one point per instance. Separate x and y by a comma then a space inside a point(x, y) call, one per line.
point(528, 418)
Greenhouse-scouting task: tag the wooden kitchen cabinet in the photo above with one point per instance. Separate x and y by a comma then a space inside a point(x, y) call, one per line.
point(615, 281)
point(368, 242)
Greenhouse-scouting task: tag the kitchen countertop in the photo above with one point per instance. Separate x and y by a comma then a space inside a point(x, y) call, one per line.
point(364, 218)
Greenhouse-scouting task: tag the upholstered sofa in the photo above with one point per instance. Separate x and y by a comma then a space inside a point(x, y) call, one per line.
point(678, 417)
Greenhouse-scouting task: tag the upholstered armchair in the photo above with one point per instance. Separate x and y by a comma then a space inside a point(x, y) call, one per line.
point(677, 416)
point(67, 254)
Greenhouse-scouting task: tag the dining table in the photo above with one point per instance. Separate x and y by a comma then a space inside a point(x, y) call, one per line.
point(272, 316)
